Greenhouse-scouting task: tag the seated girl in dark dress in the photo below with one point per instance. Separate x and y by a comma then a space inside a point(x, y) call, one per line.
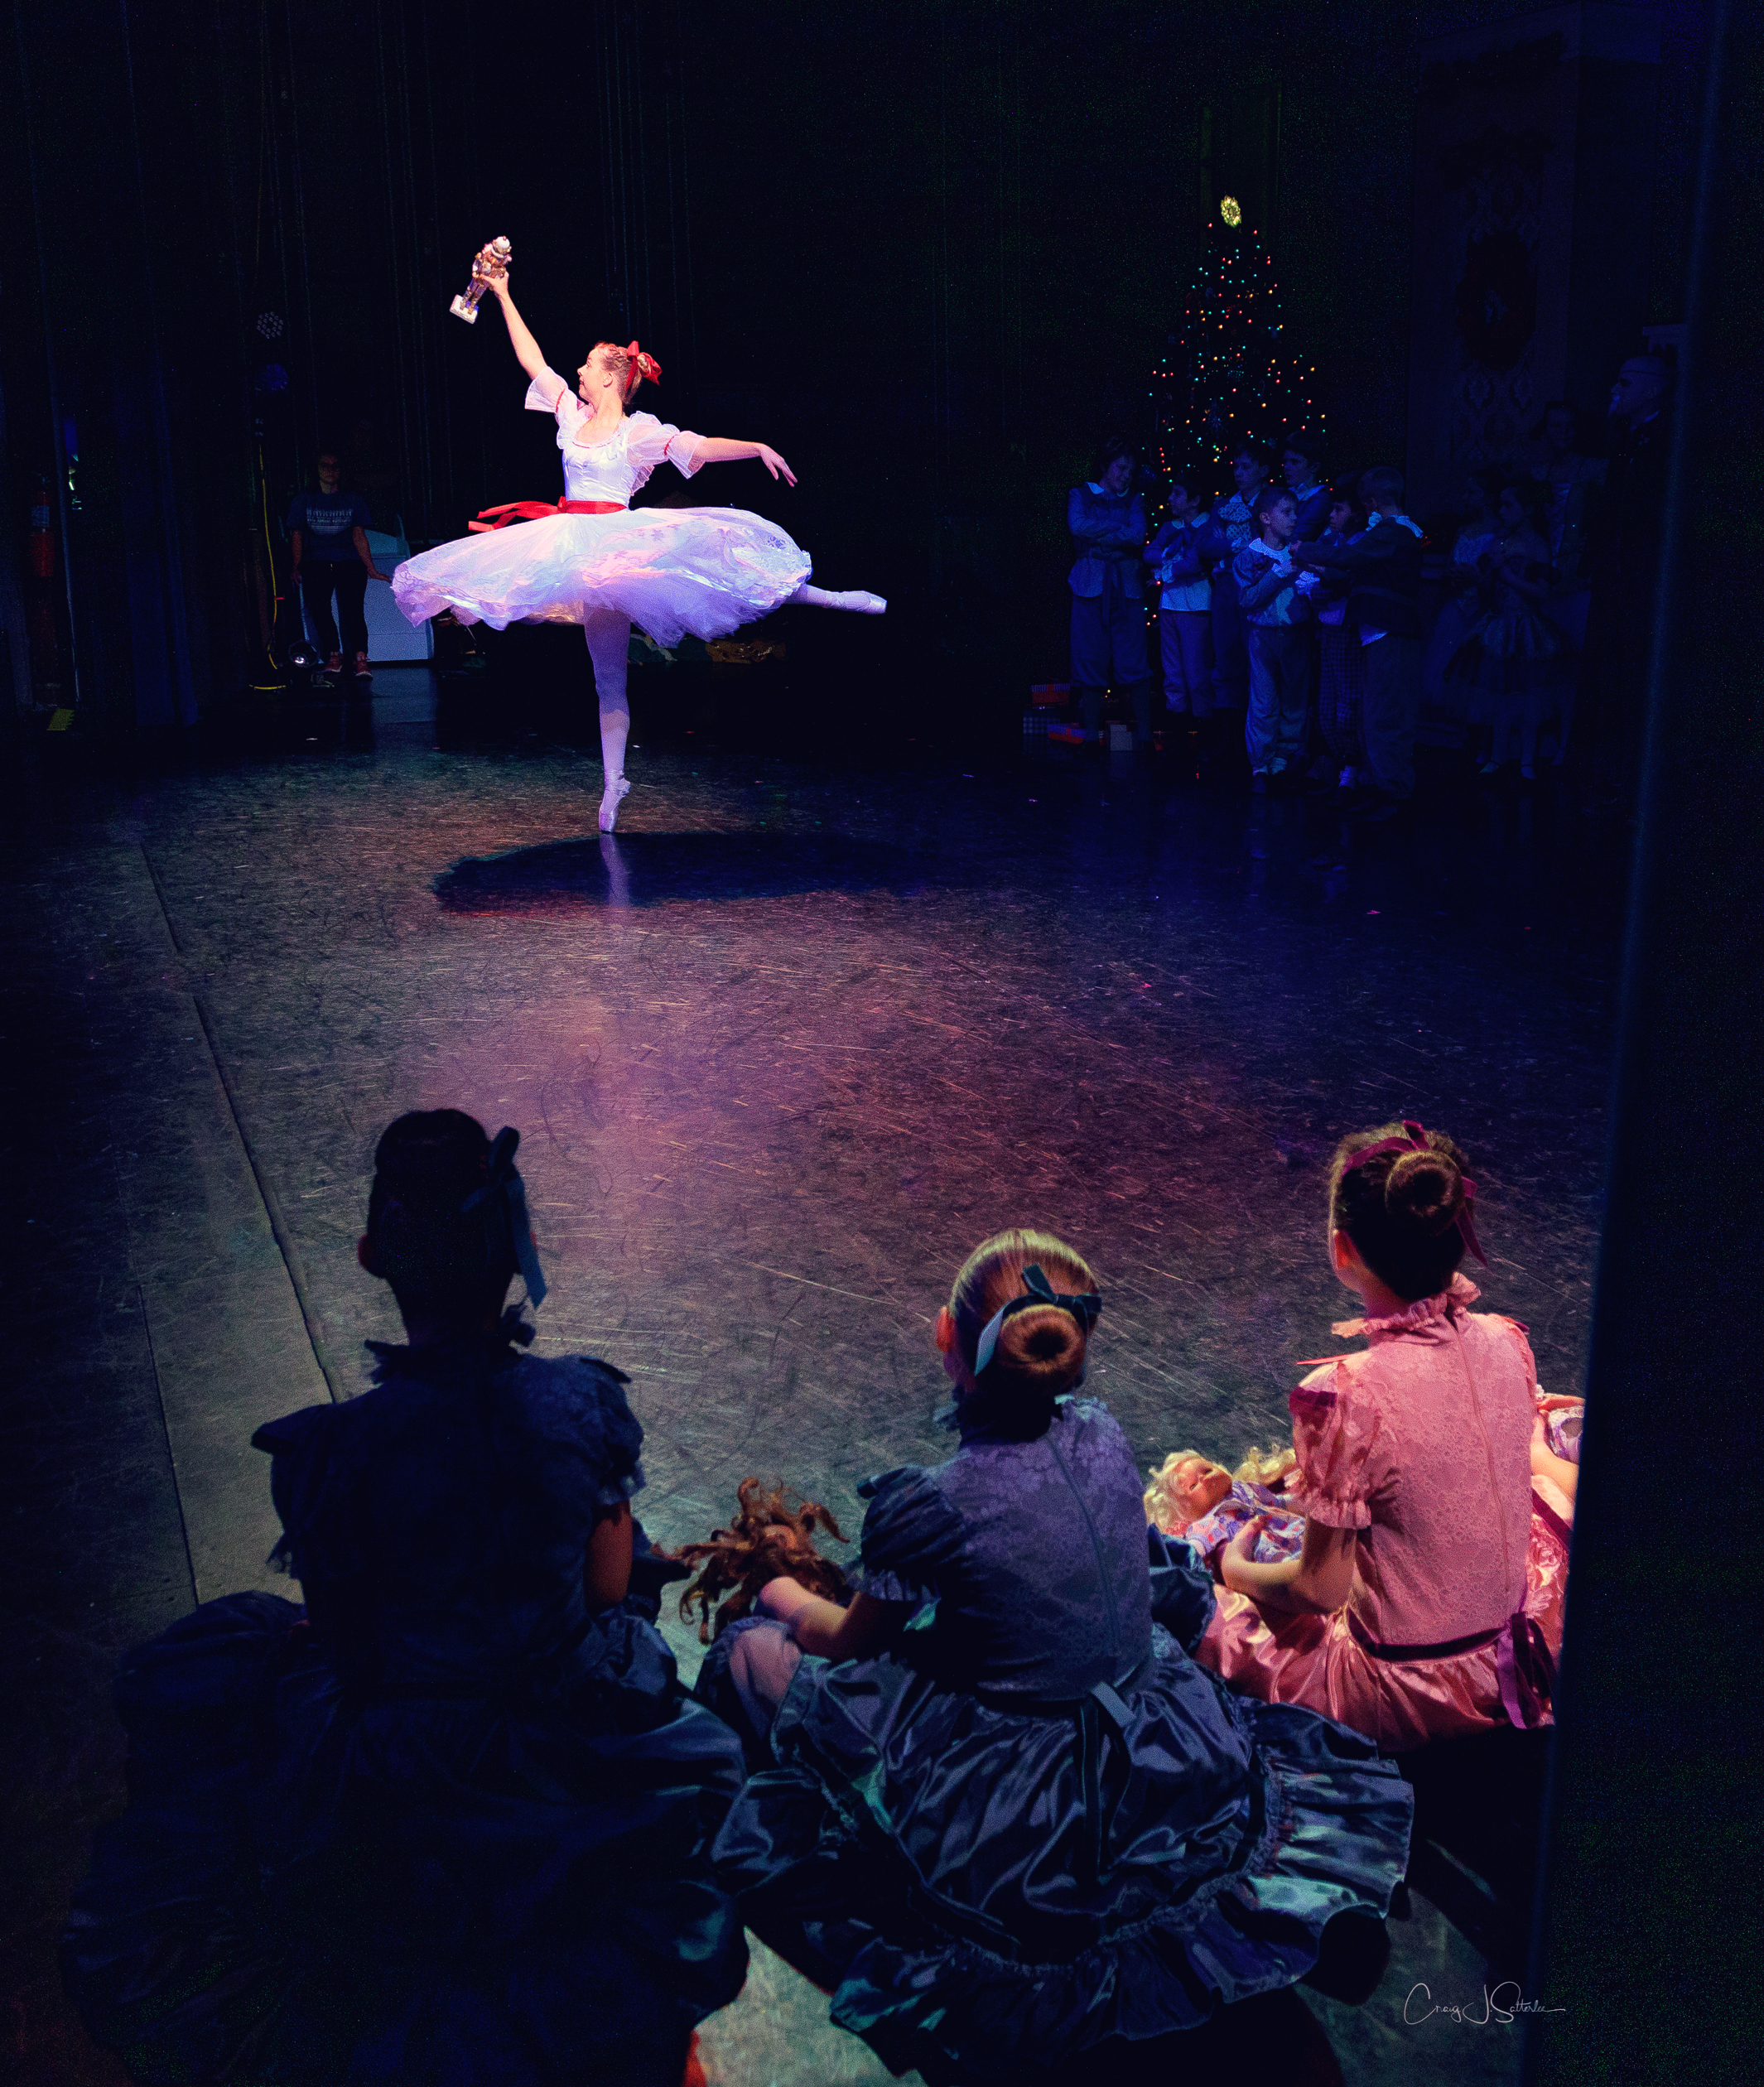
point(1010, 1824)
point(449, 1822)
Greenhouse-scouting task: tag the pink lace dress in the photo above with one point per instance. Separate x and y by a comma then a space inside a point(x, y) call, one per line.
point(1421, 1444)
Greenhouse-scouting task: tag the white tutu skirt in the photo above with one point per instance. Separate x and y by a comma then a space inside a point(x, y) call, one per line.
point(707, 570)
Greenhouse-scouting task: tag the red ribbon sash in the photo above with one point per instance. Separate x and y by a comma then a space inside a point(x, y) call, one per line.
point(499, 518)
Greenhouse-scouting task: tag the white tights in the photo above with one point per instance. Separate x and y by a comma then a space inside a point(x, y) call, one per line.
point(609, 636)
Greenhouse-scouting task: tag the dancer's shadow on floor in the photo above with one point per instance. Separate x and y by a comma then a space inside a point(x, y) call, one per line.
point(662, 868)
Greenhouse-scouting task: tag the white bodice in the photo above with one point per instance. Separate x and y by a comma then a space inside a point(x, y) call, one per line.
point(615, 469)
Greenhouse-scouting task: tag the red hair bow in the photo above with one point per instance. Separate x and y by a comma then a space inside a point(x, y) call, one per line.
point(1416, 1141)
point(647, 365)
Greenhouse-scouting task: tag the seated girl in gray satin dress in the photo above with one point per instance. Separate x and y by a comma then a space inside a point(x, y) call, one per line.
point(449, 1822)
point(1006, 1820)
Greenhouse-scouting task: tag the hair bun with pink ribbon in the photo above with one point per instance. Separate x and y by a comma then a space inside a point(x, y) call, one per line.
point(1416, 1143)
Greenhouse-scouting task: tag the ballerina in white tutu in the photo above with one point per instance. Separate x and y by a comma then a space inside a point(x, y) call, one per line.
point(590, 559)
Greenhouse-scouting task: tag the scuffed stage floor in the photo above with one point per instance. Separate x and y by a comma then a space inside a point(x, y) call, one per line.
point(781, 1052)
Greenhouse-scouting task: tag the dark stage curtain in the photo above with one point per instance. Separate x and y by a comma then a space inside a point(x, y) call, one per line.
point(1650, 1933)
point(127, 218)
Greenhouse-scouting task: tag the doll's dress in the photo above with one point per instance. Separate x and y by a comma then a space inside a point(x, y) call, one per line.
point(1282, 1536)
point(1034, 1823)
point(706, 570)
point(1421, 1443)
point(443, 1824)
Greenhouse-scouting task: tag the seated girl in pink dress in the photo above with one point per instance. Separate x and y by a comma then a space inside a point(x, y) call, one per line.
point(1208, 1507)
point(1426, 1599)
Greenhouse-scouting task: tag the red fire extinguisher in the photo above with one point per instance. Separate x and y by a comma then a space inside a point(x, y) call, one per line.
point(41, 548)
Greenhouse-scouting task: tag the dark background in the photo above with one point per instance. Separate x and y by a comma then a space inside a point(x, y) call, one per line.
point(930, 251)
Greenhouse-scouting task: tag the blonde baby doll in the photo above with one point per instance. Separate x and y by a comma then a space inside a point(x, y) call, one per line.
point(1194, 1498)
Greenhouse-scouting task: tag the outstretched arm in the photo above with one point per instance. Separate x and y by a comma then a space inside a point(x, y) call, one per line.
point(723, 449)
point(520, 339)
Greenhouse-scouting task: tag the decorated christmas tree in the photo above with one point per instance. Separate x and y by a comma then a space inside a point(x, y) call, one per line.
point(1229, 376)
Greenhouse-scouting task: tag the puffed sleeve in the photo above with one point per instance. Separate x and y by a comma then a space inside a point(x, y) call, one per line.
point(548, 392)
point(1517, 1333)
point(1336, 1434)
point(649, 441)
point(912, 1533)
point(297, 1442)
point(583, 1435)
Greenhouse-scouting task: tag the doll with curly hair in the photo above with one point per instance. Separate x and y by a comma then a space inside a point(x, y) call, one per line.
point(766, 1539)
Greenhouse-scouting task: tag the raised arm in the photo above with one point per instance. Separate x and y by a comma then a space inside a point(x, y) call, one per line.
point(520, 339)
point(723, 449)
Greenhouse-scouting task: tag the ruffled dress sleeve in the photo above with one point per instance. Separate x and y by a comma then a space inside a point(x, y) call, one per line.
point(1336, 1434)
point(649, 441)
point(548, 393)
point(1517, 1332)
point(584, 1439)
point(300, 1478)
point(912, 1536)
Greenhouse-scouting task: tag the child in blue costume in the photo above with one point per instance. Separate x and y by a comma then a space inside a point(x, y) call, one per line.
point(449, 1822)
point(1011, 1826)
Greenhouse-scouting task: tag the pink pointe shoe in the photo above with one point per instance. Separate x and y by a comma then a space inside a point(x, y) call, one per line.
point(617, 790)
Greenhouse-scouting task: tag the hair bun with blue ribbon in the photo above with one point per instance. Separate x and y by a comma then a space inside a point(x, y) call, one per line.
point(502, 1199)
point(1085, 1308)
